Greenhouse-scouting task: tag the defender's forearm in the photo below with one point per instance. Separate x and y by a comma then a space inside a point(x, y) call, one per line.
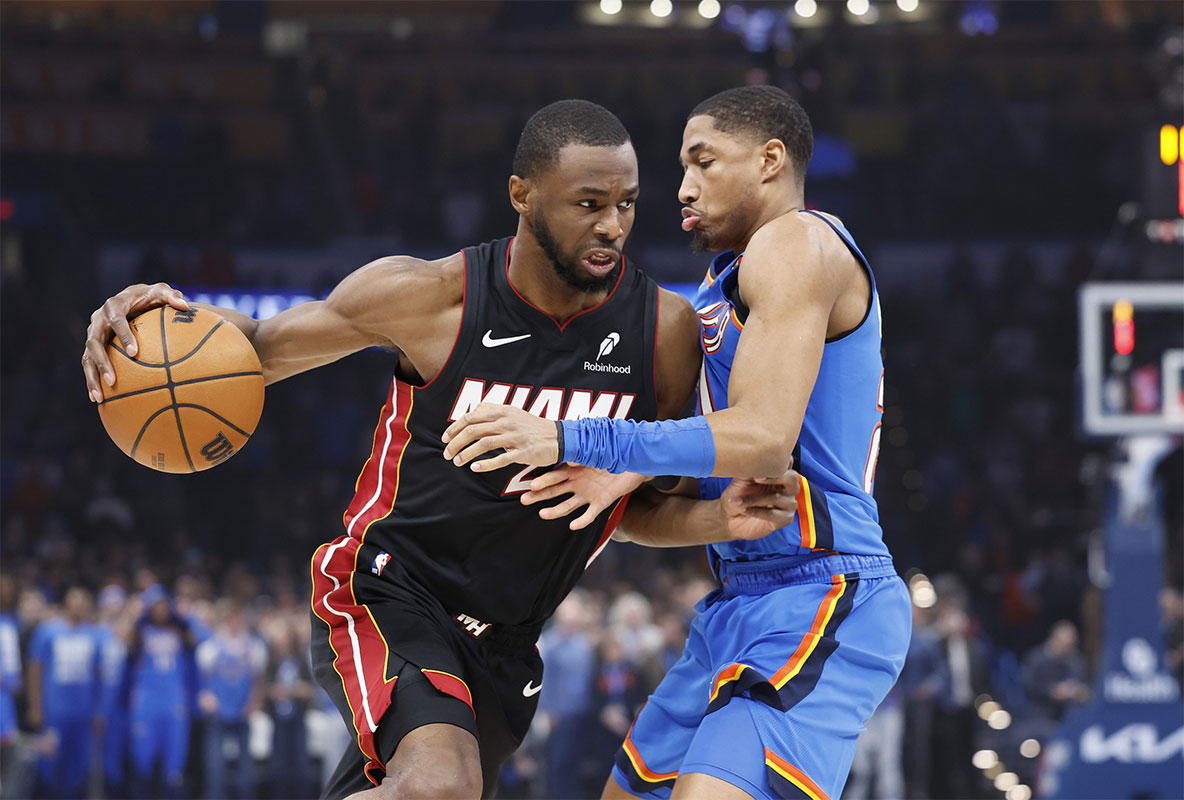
point(661, 520)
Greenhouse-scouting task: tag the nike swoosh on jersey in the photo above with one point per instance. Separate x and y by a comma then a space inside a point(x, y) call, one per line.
point(489, 341)
point(529, 691)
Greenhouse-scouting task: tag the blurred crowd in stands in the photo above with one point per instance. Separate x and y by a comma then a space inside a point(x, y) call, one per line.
point(160, 624)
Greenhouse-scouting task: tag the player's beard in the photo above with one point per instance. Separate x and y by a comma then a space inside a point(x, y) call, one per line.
point(567, 267)
point(727, 231)
point(700, 242)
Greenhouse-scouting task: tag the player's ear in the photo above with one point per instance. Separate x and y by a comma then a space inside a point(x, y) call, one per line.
point(520, 194)
point(774, 160)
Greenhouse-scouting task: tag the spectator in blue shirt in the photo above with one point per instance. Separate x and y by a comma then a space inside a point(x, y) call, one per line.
point(567, 694)
point(10, 671)
point(160, 689)
point(230, 663)
point(64, 694)
point(290, 687)
point(115, 628)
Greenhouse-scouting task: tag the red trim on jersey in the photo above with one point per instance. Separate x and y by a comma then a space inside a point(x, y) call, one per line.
point(610, 525)
point(374, 448)
point(379, 481)
point(361, 653)
point(464, 297)
point(620, 275)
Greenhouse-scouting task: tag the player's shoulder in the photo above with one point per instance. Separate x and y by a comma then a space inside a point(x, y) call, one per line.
point(399, 272)
point(675, 315)
point(400, 284)
point(805, 243)
point(802, 237)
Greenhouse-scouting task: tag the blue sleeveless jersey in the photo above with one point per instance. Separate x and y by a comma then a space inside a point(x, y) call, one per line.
point(840, 438)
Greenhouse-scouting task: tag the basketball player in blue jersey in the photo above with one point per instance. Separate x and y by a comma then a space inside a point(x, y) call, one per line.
point(809, 628)
point(427, 606)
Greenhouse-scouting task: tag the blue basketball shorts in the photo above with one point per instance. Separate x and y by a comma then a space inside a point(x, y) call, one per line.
point(782, 667)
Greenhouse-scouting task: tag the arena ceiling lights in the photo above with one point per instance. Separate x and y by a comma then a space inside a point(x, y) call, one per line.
point(738, 16)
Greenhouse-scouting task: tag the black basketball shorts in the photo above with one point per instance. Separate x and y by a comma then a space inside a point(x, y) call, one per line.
point(393, 659)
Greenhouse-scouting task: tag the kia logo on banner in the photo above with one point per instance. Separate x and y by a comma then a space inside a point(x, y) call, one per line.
point(1134, 744)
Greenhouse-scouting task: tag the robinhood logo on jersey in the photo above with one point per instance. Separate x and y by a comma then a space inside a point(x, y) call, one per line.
point(606, 346)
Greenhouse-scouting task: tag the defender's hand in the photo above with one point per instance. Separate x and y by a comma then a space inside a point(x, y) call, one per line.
point(112, 318)
point(754, 508)
point(595, 488)
point(525, 438)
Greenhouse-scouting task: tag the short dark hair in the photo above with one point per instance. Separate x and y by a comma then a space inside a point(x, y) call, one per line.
point(763, 113)
point(566, 122)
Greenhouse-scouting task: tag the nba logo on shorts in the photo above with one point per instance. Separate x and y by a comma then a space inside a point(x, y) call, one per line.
point(380, 562)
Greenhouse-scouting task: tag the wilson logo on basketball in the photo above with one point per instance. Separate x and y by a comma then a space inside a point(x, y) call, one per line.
point(217, 448)
point(546, 402)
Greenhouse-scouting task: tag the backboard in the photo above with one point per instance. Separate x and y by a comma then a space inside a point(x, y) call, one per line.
point(1132, 358)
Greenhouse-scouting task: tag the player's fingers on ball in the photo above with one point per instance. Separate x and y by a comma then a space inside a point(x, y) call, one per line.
point(98, 359)
point(162, 292)
point(124, 335)
point(92, 379)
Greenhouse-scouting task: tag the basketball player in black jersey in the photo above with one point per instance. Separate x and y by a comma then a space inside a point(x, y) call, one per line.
point(426, 610)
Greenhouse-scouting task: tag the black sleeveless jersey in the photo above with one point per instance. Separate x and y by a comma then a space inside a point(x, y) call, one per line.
point(464, 537)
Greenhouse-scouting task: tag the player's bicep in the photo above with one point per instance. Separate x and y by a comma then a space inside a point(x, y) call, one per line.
point(368, 308)
point(780, 349)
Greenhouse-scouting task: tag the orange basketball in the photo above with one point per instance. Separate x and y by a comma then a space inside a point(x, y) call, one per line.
point(190, 398)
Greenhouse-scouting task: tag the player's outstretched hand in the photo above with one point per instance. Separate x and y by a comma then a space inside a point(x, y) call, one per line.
point(597, 489)
point(111, 318)
point(754, 508)
point(525, 438)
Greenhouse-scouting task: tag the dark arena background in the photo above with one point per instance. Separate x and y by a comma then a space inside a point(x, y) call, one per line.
point(992, 158)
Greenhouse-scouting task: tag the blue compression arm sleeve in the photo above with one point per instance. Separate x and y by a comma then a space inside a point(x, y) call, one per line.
point(669, 447)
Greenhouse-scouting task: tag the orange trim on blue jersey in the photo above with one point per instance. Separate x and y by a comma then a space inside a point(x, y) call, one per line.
point(810, 640)
point(794, 775)
point(643, 771)
point(806, 515)
point(736, 320)
point(728, 674)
